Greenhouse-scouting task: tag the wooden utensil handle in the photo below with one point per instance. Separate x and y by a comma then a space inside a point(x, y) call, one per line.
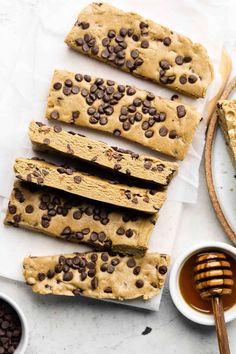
point(218, 310)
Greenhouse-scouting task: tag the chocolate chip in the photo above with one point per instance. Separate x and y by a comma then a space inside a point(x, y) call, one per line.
point(149, 133)
point(187, 59)
point(167, 41)
point(93, 236)
point(105, 54)
point(163, 131)
point(77, 214)
point(50, 274)
point(130, 91)
point(79, 77)
point(105, 42)
point(77, 179)
point(115, 261)
point(108, 290)
point(139, 283)
point(120, 231)
point(172, 134)
point(46, 141)
point(79, 42)
point(134, 53)
point(68, 276)
point(137, 270)
point(16, 218)
point(179, 60)
point(83, 276)
point(12, 209)
point(104, 257)
point(144, 44)
point(101, 236)
point(110, 268)
point(117, 132)
point(57, 86)
point(192, 79)
point(111, 34)
point(126, 126)
point(147, 165)
point(181, 112)
point(183, 79)
point(95, 50)
point(129, 233)
point(75, 115)
point(66, 90)
point(94, 283)
point(162, 269)
point(79, 236)
point(54, 115)
point(41, 276)
point(84, 25)
point(103, 121)
point(131, 263)
point(164, 64)
point(136, 37)
point(57, 129)
point(86, 231)
point(75, 89)
point(29, 209)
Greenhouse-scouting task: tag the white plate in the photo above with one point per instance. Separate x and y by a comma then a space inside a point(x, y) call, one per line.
point(224, 177)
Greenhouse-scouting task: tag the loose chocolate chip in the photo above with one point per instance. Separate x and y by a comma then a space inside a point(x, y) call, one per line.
point(12, 209)
point(120, 231)
point(129, 233)
point(29, 209)
point(187, 59)
point(110, 268)
point(57, 86)
point(117, 132)
point(131, 263)
point(167, 41)
point(41, 276)
point(79, 77)
point(77, 215)
point(111, 34)
point(94, 283)
point(183, 79)
point(149, 133)
point(179, 60)
point(137, 270)
point(104, 256)
point(68, 276)
point(162, 269)
point(144, 44)
point(172, 134)
point(139, 283)
point(192, 79)
point(163, 131)
point(77, 179)
point(54, 115)
point(181, 112)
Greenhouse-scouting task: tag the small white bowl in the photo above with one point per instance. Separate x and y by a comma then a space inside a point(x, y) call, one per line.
point(24, 326)
point(176, 295)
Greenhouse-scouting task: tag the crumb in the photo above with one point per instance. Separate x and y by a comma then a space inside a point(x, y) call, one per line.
point(146, 331)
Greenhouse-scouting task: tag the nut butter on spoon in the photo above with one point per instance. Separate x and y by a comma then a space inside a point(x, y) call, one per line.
point(213, 279)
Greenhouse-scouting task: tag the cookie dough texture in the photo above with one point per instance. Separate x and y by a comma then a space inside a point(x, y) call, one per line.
point(142, 47)
point(162, 125)
point(71, 218)
point(88, 186)
point(97, 275)
point(101, 154)
point(226, 111)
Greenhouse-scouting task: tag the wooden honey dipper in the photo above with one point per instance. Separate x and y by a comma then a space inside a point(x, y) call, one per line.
point(214, 278)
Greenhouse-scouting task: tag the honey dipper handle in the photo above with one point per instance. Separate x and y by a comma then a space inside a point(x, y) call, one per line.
point(218, 310)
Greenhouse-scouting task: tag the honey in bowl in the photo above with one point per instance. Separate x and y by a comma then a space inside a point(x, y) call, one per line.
point(191, 295)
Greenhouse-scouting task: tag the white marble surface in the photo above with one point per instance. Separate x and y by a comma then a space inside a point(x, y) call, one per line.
point(71, 325)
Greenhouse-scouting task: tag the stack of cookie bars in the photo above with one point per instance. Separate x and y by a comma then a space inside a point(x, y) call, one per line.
point(105, 196)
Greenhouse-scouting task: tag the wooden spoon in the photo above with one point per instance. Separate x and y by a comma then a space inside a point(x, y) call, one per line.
point(214, 278)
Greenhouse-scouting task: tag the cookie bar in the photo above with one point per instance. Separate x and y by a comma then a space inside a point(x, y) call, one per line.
point(101, 154)
point(68, 217)
point(226, 111)
point(97, 275)
point(142, 48)
point(88, 186)
point(162, 125)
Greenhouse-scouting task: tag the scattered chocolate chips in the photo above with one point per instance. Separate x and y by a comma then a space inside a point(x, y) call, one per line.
point(181, 112)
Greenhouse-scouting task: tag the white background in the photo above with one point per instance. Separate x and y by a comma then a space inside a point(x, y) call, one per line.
point(62, 325)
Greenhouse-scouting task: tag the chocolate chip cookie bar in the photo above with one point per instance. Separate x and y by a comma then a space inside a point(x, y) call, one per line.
point(72, 218)
point(162, 125)
point(142, 47)
point(101, 154)
point(226, 111)
point(89, 186)
point(97, 275)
